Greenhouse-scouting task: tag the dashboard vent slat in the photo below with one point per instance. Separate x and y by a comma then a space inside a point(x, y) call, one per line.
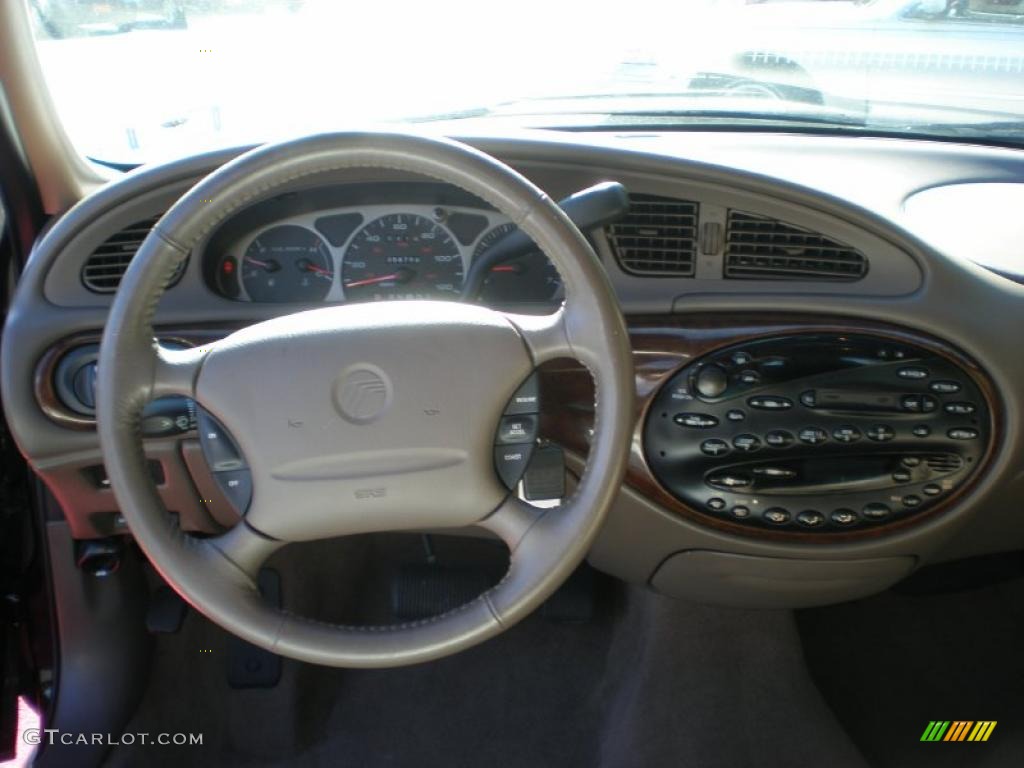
point(657, 237)
point(103, 270)
point(763, 248)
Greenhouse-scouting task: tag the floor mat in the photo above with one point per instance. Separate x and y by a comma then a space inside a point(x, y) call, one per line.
point(891, 664)
point(648, 682)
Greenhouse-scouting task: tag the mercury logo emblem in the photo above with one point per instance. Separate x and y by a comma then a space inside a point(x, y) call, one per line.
point(362, 393)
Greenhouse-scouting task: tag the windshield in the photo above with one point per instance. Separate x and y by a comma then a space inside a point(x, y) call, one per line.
point(137, 80)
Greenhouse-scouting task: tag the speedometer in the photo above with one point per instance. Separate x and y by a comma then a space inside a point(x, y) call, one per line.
point(401, 256)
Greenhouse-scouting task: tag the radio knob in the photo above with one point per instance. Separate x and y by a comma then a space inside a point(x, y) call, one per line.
point(711, 381)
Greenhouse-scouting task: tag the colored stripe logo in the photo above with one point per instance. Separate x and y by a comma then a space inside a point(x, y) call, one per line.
point(958, 730)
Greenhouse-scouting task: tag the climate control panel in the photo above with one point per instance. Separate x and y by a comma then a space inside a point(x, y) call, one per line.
point(817, 432)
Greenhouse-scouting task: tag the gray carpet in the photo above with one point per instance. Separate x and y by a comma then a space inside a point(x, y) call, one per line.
point(894, 662)
point(648, 682)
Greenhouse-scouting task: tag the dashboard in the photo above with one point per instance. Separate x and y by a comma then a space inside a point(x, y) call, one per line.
point(829, 386)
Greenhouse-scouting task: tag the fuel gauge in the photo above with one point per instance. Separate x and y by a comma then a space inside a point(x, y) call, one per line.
point(287, 263)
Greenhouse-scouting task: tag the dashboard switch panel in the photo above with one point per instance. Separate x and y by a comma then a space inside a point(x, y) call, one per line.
point(840, 432)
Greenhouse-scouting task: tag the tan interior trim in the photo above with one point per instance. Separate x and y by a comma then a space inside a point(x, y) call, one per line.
point(64, 177)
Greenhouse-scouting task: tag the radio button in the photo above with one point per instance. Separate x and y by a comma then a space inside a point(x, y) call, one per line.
point(716, 504)
point(695, 420)
point(932, 490)
point(846, 434)
point(810, 518)
point(779, 438)
point(741, 512)
point(813, 435)
point(880, 433)
point(944, 387)
point(912, 372)
point(959, 409)
point(844, 517)
point(962, 433)
point(876, 511)
point(781, 473)
point(776, 515)
point(746, 443)
point(901, 476)
point(918, 403)
point(736, 415)
point(770, 403)
point(911, 501)
point(714, 447)
point(922, 430)
point(730, 481)
point(750, 377)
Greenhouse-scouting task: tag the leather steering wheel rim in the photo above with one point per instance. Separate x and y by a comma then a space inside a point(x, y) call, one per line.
point(217, 575)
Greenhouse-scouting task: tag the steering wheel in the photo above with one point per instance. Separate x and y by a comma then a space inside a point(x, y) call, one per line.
point(411, 449)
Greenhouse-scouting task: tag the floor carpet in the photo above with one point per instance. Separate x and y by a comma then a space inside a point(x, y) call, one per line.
point(647, 681)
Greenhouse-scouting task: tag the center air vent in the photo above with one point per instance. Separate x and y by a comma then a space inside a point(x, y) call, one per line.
point(103, 270)
point(762, 248)
point(657, 236)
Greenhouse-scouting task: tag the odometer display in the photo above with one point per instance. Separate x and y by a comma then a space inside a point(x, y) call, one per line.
point(401, 256)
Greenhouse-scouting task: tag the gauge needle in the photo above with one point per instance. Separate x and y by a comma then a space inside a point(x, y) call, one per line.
point(372, 280)
point(310, 267)
point(401, 275)
point(505, 268)
point(270, 266)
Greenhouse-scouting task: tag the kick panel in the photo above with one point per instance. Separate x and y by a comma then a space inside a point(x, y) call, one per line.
point(817, 432)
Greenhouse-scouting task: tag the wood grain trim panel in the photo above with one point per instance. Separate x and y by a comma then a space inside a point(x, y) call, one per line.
point(45, 372)
point(663, 345)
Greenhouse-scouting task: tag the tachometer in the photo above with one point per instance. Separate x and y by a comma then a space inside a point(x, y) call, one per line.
point(527, 278)
point(287, 263)
point(401, 256)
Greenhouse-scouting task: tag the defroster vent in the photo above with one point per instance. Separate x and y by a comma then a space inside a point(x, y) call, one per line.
point(763, 248)
point(657, 237)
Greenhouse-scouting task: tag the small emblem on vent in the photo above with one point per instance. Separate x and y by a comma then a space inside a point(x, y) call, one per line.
point(362, 393)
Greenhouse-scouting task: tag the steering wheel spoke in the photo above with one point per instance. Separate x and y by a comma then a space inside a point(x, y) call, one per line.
point(176, 370)
point(511, 521)
point(546, 336)
point(245, 548)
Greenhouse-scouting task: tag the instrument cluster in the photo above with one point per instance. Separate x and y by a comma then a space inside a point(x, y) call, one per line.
point(375, 252)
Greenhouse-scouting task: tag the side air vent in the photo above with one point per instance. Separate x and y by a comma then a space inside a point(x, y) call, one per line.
point(657, 237)
point(103, 270)
point(762, 248)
